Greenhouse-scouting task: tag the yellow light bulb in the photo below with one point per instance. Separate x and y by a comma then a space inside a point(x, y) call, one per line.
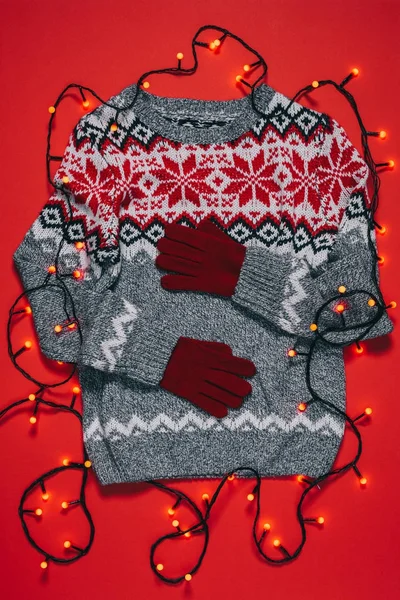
point(79, 245)
point(45, 496)
point(175, 523)
point(368, 411)
point(28, 310)
point(65, 462)
point(211, 46)
point(38, 512)
point(188, 577)
point(65, 179)
point(146, 84)
point(392, 304)
point(77, 274)
point(313, 326)
point(382, 134)
point(85, 103)
point(87, 464)
point(64, 504)
point(217, 42)
point(391, 163)
point(355, 72)
point(76, 389)
point(250, 497)
point(171, 511)
point(342, 289)
point(67, 544)
point(267, 526)
point(277, 543)
point(51, 269)
point(302, 406)
point(159, 567)
point(315, 84)
point(179, 56)
point(231, 477)
point(292, 352)
point(52, 109)
point(187, 534)
point(321, 520)
point(32, 397)
point(114, 127)
point(363, 480)
point(28, 344)
point(57, 328)
point(32, 420)
point(238, 78)
point(371, 302)
point(43, 565)
point(205, 497)
point(246, 67)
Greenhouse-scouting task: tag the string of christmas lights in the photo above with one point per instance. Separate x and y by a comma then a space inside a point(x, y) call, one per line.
point(203, 514)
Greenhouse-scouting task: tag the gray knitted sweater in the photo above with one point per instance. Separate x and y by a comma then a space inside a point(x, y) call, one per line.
point(292, 188)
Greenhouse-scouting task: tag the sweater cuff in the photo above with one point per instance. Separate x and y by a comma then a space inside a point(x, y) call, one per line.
point(288, 293)
point(128, 340)
point(51, 307)
point(262, 284)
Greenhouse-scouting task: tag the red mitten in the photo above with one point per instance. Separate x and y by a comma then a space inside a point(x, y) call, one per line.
point(207, 259)
point(208, 375)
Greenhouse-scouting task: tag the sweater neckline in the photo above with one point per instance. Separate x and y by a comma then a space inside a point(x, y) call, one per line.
point(193, 120)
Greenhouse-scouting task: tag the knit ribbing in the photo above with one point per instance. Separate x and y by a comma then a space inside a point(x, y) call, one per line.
point(192, 120)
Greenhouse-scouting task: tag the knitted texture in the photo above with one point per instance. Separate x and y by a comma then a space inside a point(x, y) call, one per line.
point(290, 187)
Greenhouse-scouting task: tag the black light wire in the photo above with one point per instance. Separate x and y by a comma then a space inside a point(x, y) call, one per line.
point(201, 526)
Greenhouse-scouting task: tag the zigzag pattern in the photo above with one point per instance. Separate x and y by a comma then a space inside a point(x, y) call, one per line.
point(193, 421)
point(295, 294)
point(112, 347)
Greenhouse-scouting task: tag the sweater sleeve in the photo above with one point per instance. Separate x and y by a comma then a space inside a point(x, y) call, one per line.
point(287, 292)
point(70, 254)
point(68, 261)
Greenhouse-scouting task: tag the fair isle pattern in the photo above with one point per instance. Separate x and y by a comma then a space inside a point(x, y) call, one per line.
point(192, 421)
point(277, 185)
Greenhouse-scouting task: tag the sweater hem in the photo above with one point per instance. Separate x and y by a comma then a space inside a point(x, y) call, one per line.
point(157, 457)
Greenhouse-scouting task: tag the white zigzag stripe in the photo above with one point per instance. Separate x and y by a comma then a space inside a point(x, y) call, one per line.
point(244, 422)
point(112, 348)
point(295, 293)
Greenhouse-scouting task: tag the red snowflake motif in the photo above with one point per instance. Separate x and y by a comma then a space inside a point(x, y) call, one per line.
point(93, 187)
point(338, 170)
point(251, 179)
point(182, 181)
point(303, 186)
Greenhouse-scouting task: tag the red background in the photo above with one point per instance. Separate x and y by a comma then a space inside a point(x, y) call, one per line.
point(107, 46)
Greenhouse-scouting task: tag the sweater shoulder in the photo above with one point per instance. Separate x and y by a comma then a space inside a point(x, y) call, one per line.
point(94, 127)
point(288, 115)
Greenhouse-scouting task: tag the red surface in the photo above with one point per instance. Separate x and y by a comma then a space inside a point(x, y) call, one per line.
point(107, 46)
